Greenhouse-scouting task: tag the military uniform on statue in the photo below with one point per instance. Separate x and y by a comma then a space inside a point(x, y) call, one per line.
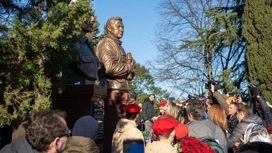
point(119, 69)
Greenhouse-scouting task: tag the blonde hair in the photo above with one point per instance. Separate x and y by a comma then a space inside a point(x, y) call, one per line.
point(172, 110)
point(218, 116)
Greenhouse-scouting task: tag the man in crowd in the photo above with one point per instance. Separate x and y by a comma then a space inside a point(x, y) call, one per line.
point(148, 112)
point(202, 128)
point(47, 132)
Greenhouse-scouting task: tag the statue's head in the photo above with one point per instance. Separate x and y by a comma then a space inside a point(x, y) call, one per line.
point(87, 26)
point(114, 27)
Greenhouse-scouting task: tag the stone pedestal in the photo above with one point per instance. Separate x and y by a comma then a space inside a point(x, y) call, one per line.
point(114, 110)
point(78, 101)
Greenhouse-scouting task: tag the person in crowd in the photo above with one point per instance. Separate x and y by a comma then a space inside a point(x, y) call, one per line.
point(245, 117)
point(255, 147)
point(218, 116)
point(161, 105)
point(148, 112)
point(220, 98)
point(181, 132)
point(232, 117)
point(20, 131)
point(131, 100)
point(183, 116)
point(259, 105)
point(188, 144)
point(232, 121)
point(126, 129)
point(164, 129)
point(171, 110)
point(47, 132)
point(203, 128)
point(83, 134)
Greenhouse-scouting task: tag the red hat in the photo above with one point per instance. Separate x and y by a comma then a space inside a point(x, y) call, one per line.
point(133, 108)
point(162, 103)
point(181, 131)
point(164, 125)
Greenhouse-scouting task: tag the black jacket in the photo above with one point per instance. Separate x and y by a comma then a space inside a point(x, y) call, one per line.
point(148, 110)
point(19, 146)
point(232, 122)
point(265, 113)
point(239, 130)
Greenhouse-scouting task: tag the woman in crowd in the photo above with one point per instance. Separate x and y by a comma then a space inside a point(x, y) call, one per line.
point(218, 116)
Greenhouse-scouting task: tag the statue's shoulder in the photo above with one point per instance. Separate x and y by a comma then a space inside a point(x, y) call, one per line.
point(105, 39)
point(105, 42)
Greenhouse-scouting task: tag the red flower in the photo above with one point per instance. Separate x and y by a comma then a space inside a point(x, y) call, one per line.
point(193, 145)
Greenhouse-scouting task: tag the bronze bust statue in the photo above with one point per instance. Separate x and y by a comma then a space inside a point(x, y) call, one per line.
point(86, 64)
point(119, 66)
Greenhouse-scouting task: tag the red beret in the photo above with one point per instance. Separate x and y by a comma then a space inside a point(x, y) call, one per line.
point(181, 131)
point(164, 125)
point(162, 103)
point(133, 108)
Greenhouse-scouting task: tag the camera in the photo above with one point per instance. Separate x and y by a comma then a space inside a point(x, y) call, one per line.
point(210, 82)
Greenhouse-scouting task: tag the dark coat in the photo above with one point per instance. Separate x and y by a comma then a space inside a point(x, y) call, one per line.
point(232, 122)
point(148, 110)
point(265, 114)
point(240, 129)
point(19, 146)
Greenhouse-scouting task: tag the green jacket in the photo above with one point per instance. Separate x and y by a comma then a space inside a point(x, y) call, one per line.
point(79, 144)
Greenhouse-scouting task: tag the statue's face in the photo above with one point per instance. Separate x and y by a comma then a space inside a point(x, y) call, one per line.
point(88, 25)
point(117, 29)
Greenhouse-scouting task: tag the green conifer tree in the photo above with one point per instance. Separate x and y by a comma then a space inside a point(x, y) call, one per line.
point(257, 19)
point(36, 47)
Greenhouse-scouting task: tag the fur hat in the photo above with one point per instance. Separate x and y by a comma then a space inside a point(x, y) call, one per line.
point(85, 126)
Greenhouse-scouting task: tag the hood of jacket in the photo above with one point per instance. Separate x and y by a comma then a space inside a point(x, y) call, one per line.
point(125, 124)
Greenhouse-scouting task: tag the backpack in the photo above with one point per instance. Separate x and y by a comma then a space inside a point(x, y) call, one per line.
point(213, 144)
point(256, 132)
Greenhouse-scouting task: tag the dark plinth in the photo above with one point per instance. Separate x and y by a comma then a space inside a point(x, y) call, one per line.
point(114, 110)
point(78, 101)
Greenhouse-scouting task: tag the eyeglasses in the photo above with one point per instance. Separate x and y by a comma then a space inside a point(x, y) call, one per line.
point(69, 134)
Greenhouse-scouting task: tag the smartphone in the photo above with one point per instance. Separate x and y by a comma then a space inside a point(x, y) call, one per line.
point(133, 146)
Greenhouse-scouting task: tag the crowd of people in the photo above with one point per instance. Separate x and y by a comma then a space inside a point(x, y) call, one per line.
point(225, 124)
point(211, 126)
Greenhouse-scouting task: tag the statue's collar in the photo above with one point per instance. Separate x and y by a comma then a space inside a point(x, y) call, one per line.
point(114, 38)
